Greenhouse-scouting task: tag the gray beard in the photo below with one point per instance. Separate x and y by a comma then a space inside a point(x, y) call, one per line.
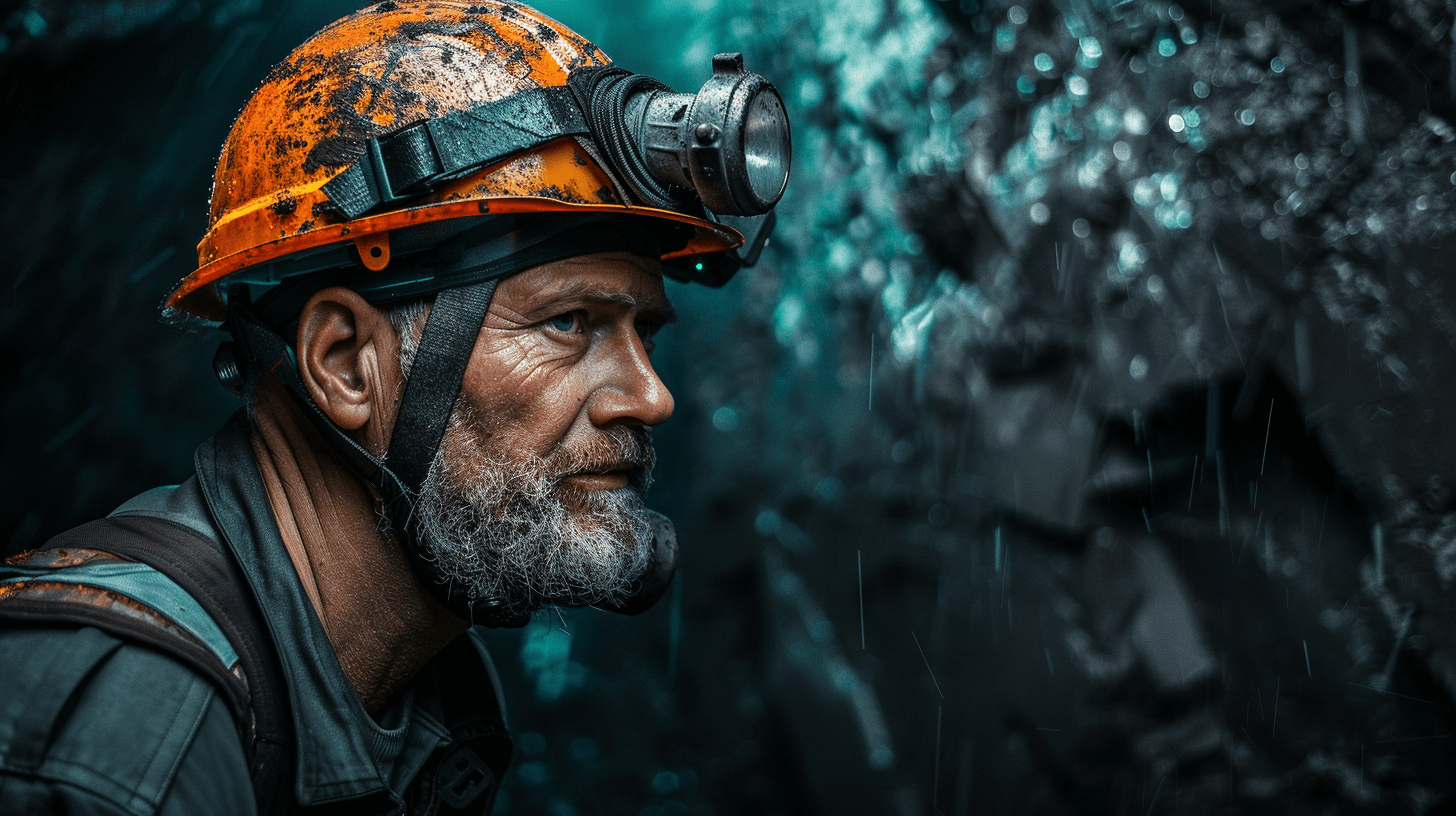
point(500, 531)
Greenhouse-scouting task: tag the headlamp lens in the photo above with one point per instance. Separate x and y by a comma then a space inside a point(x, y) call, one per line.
point(766, 145)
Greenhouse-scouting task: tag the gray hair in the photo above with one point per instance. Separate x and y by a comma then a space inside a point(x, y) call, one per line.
point(408, 320)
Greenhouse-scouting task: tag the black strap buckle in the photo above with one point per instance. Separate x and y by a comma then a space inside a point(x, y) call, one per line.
point(424, 155)
point(464, 776)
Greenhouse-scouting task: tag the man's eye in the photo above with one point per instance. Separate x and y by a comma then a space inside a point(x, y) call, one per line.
point(646, 329)
point(564, 322)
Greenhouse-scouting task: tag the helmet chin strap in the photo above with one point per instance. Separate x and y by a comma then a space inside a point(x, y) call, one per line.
point(434, 382)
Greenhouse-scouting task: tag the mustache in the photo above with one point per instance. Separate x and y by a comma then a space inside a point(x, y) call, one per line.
point(623, 447)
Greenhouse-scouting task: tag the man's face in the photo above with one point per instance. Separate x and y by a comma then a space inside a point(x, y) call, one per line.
point(535, 496)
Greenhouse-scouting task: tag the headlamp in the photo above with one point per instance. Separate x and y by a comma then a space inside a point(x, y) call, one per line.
point(722, 153)
point(728, 143)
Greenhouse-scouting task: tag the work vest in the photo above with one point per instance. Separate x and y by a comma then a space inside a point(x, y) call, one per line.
point(158, 581)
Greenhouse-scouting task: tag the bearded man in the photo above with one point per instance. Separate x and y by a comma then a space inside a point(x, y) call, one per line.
point(459, 216)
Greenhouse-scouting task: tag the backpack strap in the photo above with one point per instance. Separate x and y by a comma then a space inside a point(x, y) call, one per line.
point(125, 599)
point(178, 576)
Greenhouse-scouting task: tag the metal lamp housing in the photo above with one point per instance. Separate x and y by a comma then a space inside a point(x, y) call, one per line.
point(729, 143)
point(738, 141)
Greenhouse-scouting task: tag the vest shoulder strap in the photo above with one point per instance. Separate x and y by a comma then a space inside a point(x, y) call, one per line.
point(167, 585)
point(129, 600)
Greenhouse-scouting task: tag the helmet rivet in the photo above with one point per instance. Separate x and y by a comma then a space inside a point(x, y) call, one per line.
point(707, 133)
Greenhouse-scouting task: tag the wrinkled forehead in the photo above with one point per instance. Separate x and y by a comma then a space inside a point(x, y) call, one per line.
point(605, 278)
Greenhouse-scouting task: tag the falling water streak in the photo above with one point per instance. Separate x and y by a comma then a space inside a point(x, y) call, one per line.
point(1355, 106)
point(859, 562)
point(1267, 429)
point(1155, 795)
point(151, 266)
point(1223, 511)
point(1274, 729)
point(1211, 429)
point(1391, 693)
point(1269, 548)
point(1231, 770)
point(1307, 667)
point(1321, 538)
point(1259, 523)
point(1362, 771)
point(935, 785)
point(674, 628)
point(1150, 477)
point(1378, 541)
point(1303, 365)
point(962, 804)
point(1005, 578)
point(927, 664)
point(1051, 671)
point(1383, 679)
point(1226, 323)
point(1193, 485)
point(871, 404)
point(72, 428)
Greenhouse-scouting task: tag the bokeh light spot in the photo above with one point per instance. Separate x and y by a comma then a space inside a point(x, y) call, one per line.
point(1138, 368)
point(665, 782)
point(725, 419)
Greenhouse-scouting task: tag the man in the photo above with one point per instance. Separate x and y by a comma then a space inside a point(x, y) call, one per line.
point(458, 216)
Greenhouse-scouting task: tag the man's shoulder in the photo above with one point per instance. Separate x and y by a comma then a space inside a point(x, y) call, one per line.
point(86, 716)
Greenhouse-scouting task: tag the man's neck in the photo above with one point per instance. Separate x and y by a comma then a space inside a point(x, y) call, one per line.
point(382, 624)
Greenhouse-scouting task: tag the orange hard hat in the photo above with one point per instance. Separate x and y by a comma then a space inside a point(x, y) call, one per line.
point(308, 177)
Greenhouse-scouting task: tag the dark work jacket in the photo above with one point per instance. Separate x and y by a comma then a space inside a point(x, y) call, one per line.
point(95, 724)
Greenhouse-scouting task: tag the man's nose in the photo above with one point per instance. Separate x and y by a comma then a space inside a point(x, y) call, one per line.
point(630, 392)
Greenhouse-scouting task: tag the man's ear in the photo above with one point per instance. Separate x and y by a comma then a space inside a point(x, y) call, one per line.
point(347, 359)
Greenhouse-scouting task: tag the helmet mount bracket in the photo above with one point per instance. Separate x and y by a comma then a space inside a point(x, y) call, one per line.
point(373, 251)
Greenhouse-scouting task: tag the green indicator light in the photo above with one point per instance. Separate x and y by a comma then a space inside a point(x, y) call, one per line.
point(700, 267)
